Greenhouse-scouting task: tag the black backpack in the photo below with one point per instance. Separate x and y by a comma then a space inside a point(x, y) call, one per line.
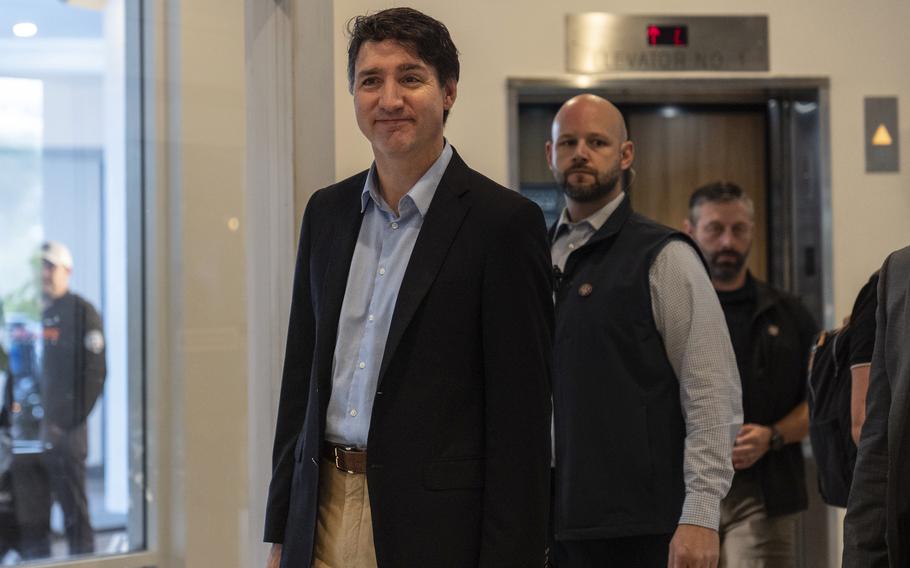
point(829, 415)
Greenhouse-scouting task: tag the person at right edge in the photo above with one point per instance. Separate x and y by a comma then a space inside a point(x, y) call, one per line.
point(772, 335)
point(860, 330)
point(645, 388)
point(877, 525)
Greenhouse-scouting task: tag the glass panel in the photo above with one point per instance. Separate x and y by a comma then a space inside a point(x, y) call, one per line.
point(71, 481)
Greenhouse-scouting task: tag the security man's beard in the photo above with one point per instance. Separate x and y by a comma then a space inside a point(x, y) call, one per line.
point(589, 193)
point(726, 270)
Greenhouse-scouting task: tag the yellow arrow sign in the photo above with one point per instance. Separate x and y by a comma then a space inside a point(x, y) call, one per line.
point(882, 137)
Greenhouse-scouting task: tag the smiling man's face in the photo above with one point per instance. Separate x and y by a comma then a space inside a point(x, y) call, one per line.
point(398, 100)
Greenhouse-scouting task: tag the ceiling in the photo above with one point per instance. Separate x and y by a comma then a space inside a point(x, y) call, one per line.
point(55, 19)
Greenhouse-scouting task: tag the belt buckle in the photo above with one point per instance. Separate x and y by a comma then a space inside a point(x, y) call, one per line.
point(335, 449)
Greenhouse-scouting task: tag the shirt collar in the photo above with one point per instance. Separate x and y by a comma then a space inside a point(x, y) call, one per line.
point(421, 194)
point(596, 220)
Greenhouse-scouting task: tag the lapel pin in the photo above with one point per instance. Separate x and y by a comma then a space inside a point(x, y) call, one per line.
point(585, 290)
point(773, 330)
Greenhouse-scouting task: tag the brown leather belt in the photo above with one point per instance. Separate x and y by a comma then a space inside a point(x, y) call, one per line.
point(347, 459)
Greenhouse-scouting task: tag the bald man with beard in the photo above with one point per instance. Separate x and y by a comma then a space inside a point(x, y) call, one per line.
point(646, 390)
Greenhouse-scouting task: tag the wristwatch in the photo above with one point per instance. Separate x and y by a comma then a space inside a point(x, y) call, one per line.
point(777, 441)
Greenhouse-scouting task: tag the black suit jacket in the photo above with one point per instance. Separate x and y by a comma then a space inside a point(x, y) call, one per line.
point(458, 447)
point(877, 526)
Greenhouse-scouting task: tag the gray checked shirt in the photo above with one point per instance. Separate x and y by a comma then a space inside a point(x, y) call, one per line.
point(691, 322)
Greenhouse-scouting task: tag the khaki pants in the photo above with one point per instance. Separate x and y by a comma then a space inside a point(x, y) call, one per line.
point(344, 528)
point(748, 537)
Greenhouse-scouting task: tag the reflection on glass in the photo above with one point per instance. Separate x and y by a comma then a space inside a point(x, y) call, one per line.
point(66, 484)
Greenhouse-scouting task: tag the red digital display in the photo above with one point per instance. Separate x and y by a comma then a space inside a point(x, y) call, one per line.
point(677, 36)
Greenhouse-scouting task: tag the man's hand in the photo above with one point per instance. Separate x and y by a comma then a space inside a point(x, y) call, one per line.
point(694, 547)
point(752, 442)
point(274, 559)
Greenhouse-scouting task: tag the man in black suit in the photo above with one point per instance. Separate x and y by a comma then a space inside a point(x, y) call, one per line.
point(877, 526)
point(414, 414)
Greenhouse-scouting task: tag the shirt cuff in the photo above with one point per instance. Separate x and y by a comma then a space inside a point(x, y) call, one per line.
point(701, 509)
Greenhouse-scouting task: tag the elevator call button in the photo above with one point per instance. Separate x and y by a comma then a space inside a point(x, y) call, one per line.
point(882, 148)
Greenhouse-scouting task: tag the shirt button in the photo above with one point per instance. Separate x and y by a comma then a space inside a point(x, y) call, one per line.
point(353, 412)
point(571, 246)
point(362, 365)
point(394, 225)
point(370, 318)
point(382, 271)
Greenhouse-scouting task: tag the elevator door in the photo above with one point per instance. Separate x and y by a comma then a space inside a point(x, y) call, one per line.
point(678, 149)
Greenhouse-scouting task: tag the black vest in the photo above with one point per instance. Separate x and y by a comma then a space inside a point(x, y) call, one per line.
point(782, 332)
point(620, 432)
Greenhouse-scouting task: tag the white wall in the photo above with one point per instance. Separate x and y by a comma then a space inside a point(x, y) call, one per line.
point(200, 398)
point(244, 134)
point(861, 47)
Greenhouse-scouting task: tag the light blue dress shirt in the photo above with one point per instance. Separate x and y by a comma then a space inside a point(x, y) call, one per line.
point(380, 259)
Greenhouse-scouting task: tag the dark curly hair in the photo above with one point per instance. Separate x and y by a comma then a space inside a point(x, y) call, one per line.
point(428, 38)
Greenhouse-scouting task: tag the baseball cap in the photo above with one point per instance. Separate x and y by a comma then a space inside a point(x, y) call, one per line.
point(57, 254)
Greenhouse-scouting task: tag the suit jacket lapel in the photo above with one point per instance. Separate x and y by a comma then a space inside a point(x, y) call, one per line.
point(346, 220)
point(439, 228)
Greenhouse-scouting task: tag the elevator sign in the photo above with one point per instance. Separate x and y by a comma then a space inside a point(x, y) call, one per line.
point(668, 35)
point(600, 43)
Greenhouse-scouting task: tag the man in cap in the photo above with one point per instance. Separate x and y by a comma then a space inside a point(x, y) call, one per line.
point(72, 378)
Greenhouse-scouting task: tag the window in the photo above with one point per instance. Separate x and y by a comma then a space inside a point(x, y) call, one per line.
point(72, 450)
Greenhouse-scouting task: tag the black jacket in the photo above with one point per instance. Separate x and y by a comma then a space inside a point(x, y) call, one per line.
point(782, 332)
point(458, 448)
point(620, 432)
point(73, 369)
